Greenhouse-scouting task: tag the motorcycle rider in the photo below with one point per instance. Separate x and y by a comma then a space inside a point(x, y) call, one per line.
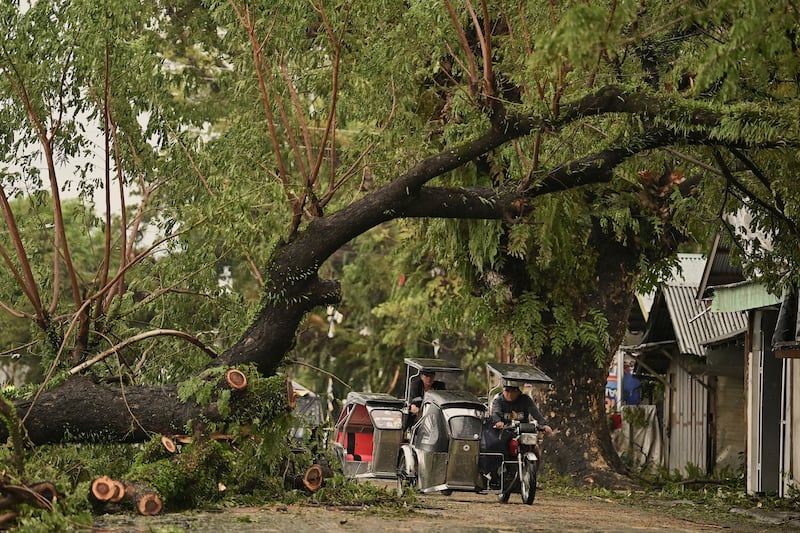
point(425, 381)
point(512, 404)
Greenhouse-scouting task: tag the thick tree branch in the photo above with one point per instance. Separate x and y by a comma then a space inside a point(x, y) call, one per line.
point(292, 287)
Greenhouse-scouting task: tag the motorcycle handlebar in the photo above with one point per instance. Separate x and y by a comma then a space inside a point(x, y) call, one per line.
point(522, 427)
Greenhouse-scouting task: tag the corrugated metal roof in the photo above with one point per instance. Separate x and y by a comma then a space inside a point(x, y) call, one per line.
point(742, 296)
point(719, 270)
point(693, 323)
point(689, 271)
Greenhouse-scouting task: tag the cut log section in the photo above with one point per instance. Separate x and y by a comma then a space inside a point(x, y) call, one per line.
point(101, 490)
point(119, 491)
point(169, 444)
point(46, 490)
point(291, 395)
point(106, 490)
point(313, 478)
point(236, 379)
point(41, 495)
point(146, 501)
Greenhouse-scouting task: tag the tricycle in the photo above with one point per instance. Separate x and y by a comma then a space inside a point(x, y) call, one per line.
point(445, 378)
point(444, 445)
point(510, 456)
point(368, 434)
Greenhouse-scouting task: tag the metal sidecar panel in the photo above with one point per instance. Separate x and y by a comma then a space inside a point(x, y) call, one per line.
point(446, 442)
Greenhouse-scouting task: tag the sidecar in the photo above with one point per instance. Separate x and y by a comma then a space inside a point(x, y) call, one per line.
point(444, 445)
point(368, 434)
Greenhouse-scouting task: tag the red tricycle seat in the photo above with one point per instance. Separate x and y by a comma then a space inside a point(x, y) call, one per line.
point(358, 446)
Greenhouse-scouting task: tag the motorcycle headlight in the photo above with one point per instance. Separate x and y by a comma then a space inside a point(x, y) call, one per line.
point(529, 439)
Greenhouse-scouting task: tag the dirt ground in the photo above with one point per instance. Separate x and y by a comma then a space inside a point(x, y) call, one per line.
point(467, 513)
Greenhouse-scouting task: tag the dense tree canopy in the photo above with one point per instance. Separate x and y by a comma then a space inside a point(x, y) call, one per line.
point(534, 160)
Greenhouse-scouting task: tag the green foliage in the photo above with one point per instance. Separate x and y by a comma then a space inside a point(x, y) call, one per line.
point(339, 490)
point(202, 387)
point(187, 479)
point(71, 468)
point(218, 155)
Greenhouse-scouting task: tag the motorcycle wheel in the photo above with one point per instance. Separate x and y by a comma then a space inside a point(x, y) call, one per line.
point(528, 482)
point(405, 482)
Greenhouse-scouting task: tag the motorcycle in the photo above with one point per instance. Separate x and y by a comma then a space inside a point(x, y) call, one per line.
point(517, 468)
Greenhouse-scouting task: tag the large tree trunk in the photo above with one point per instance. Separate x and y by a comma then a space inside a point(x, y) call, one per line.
point(583, 448)
point(576, 406)
point(83, 409)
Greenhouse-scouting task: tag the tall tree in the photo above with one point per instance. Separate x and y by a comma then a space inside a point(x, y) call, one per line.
point(550, 138)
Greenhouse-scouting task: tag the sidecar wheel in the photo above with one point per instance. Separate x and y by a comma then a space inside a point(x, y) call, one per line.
point(405, 481)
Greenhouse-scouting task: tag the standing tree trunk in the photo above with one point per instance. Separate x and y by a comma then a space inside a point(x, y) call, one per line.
point(576, 406)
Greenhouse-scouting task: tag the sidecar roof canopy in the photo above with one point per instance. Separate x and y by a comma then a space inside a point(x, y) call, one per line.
point(514, 375)
point(374, 399)
point(430, 364)
point(454, 398)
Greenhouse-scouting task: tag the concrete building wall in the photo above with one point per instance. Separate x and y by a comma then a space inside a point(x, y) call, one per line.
point(731, 422)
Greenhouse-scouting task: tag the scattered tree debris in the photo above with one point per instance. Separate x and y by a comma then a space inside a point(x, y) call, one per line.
point(42, 495)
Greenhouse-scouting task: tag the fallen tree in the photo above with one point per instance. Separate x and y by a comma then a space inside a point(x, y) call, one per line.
point(481, 127)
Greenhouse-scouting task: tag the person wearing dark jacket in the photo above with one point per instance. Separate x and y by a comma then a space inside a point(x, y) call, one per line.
point(507, 406)
point(512, 404)
point(421, 384)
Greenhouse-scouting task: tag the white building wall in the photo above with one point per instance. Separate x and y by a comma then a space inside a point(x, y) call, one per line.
point(752, 396)
point(791, 431)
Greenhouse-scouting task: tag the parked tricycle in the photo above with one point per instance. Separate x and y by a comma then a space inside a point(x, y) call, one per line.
point(368, 434)
point(510, 456)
